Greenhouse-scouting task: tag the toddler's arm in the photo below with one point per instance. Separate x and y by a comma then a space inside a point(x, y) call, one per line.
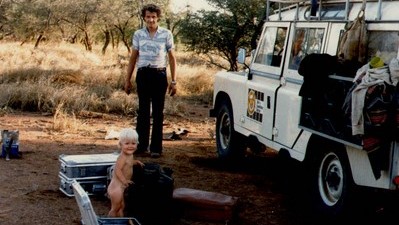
point(138, 162)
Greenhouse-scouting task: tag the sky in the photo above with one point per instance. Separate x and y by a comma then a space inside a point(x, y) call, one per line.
point(179, 5)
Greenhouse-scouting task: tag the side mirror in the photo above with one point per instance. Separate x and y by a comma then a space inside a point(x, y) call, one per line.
point(241, 56)
point(241, 59)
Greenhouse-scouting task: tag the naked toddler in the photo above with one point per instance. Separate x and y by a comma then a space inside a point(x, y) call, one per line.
point(123, 171)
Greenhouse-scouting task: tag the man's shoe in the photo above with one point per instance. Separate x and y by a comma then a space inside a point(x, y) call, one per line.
point(155, 155)
point(141, 153)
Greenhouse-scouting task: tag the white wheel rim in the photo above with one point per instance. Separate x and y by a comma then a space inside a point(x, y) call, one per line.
point(330, 179)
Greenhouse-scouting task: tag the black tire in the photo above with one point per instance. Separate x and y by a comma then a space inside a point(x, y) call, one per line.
point(331, 182)
point(229, 143)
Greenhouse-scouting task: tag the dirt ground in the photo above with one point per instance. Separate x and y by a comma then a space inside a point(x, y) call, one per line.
point(29, 186)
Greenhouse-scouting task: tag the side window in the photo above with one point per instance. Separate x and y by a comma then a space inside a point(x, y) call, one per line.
point(271, 46)
point(384, 44)
point(306, 41)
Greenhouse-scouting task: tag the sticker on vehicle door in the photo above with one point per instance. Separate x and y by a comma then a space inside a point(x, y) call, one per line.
point(255, 105)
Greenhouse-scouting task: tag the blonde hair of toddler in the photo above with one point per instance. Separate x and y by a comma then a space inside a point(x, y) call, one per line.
point(128, 134)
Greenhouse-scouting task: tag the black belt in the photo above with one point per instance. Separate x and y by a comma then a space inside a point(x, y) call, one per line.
point(146, 68)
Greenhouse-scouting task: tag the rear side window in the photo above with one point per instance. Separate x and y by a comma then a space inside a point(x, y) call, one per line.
point(384, 44)
point(271, 46)
point(306, 41)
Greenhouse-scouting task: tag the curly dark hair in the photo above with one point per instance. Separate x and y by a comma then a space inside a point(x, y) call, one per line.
point(151, 8)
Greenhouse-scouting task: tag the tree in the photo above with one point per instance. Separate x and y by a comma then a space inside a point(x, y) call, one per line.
point(81, 14)
point(30, 19)
point(221, 33)
point(124, 16)
point(117, 17)
point(74, 20)
point(4, 24)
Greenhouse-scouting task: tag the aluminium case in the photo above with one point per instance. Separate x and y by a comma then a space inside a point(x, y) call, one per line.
point(88, 165)
point(92, 185)
point(88, 215)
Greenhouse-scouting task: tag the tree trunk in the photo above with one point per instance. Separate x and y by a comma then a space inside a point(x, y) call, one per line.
point(113, 40)
point(126, 44)
point(87, 42)
point(233, 65)
point(107, 40)
point(73, 39)
point(123, 37)
point(38, 40)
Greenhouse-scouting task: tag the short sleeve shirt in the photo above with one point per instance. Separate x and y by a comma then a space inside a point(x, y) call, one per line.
point(153, 51)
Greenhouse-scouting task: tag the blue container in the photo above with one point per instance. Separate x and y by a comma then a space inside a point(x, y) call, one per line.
point(14, 151)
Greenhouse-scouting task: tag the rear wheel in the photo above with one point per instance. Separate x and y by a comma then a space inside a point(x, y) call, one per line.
point(331, 182)
point(230, 144)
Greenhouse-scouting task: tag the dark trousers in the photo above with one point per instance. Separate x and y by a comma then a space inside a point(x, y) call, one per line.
point(151, 90)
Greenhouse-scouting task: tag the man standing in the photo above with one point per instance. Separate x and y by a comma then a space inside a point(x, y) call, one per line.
point(152, 46)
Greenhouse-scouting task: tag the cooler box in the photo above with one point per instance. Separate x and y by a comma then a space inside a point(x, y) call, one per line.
point(92, 185)
point(10, 142)
point(205, 205)
point(13, 152)
point(90, 165)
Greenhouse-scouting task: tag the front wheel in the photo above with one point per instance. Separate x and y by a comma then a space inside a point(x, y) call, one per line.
point(230, 144)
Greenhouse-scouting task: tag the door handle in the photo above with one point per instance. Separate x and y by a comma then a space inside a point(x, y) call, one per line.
point(268, 102)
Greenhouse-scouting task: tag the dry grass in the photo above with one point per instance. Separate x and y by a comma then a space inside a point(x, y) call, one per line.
point(63, 121)
point(65, 80)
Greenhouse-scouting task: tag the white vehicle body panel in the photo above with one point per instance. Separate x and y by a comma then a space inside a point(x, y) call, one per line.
point(268, 106)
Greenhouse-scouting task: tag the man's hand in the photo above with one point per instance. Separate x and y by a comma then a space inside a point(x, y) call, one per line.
point(128, 87)
point(172, 89)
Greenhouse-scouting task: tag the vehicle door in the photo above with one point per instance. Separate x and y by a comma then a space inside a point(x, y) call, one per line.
point(305, 38)
point(266, 68)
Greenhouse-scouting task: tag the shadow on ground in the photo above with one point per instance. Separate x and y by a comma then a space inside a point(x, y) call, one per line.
point(287, 177)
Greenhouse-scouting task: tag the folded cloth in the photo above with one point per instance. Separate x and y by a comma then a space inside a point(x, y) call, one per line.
point(394, 71)
point(368, 78)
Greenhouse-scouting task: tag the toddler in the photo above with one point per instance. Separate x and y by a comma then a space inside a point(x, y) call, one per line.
point(123, 171)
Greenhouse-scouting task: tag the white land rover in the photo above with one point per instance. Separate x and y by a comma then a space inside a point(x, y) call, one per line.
point(263, 106)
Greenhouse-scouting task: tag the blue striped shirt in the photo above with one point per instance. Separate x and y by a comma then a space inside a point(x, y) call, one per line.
point(153, 51)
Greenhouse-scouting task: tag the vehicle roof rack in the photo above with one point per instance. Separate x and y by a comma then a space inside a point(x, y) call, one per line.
point(297, 3)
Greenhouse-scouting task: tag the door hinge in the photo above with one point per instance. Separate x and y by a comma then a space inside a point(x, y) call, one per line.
point(275, 131)
point(283, 81)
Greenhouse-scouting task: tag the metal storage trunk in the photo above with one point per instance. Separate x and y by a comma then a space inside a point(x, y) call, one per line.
point(90, 165)
point(92, 185)
point(89, 216)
